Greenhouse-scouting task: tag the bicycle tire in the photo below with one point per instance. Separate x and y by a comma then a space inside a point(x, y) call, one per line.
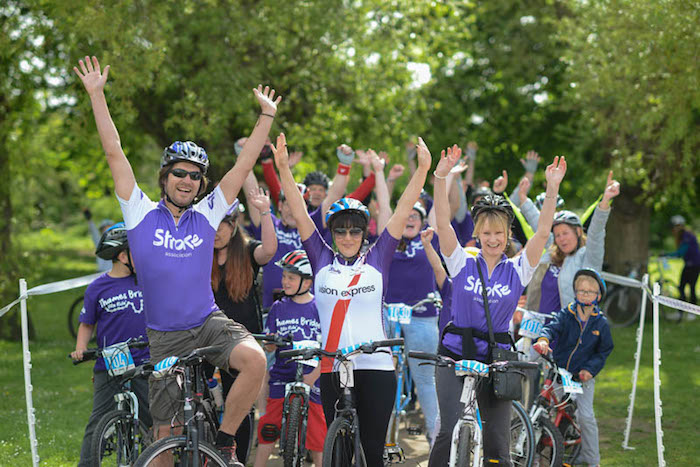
point(73, 314)
point(522, 450)
point(622, 306)
point(464, 446)
point(114, 441)
point(293, 444)
point(549, 450)
point(339, 446)
point(572, 441)
point(177, 447)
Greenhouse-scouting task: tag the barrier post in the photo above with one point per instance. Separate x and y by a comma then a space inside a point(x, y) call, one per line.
point(637, 358)
point(27, 361)
point(657, 379)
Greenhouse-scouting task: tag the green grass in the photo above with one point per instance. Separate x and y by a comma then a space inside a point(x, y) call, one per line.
point(63, 392)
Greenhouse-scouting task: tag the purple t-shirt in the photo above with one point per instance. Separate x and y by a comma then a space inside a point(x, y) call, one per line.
point(288, 239)
point(464, 229)
point(692, 255)
point(173, 261)
point(411, 277)
point(504, 287)
point(446, 312)
point(115, 306)
point(317, 216)
point(301, 321)
point(550, 303)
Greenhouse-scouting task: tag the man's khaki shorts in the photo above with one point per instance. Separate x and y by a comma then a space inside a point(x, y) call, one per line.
point(164, 394)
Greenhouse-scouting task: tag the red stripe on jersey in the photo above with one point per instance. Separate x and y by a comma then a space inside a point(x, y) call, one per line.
point(337, 320)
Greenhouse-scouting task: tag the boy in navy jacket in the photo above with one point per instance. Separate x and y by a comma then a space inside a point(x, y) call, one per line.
point(583, 344)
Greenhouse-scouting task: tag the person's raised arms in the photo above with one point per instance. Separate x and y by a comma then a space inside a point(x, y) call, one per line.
point(260, 200)
point(426, 237)
point(408, 199)
point(94, 80)
point(446, 234)
point(340, 181)
point(554, 174)
point(612, 189)
point(305, 225)
point(381, 191)
point(233, 180)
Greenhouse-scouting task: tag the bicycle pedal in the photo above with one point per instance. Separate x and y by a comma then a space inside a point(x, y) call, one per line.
point(394, 455)
point(414, 430)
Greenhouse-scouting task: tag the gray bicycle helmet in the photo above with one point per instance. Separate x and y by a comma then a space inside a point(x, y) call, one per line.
point(677, 220)
point(566, 217)
point(492, 203)
point(186, 151)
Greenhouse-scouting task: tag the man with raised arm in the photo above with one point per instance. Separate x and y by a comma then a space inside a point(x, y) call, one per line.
point(172, 244)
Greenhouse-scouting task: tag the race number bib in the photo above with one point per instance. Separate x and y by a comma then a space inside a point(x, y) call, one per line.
point(118, 358)
point(398, 312)
point(570, 386)
point(532, 324)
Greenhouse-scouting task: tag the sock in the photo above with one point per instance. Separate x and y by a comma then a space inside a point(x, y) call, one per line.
point(224, 439)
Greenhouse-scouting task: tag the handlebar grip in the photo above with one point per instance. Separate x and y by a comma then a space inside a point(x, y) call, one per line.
point(387, 343)
point(423, 356)
point(138, 344)
point(88, 354)
point(292, 353)
point(204, 351)
point(522, 365)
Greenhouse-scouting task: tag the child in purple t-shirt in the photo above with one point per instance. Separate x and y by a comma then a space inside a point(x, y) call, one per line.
point(294, 314)
point(113, 303)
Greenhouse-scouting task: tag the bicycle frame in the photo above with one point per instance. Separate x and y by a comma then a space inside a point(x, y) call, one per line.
point(470, 416)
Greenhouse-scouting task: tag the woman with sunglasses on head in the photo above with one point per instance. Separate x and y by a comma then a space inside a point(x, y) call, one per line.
point(466, 337)
point(349, 286)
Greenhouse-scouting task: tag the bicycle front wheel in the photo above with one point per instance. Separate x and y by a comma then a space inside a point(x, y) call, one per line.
point(549, 451)
point(339, 447)
point(293, 442)
point(174, 450)
point(522, 436)
point(464, 445)
point(115, 440)
point(73, 315)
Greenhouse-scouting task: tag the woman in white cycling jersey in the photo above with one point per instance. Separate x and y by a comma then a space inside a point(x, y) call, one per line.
point(466, 337)
point(349, 286)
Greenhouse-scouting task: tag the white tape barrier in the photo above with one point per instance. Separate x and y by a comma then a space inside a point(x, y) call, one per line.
point(678, 304)
point(53, 287)
point(622, 280)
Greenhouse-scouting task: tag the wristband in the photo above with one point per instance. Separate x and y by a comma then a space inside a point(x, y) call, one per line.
point(439, 177)
point(263, 114)
point(343, 169)
point(264, 213)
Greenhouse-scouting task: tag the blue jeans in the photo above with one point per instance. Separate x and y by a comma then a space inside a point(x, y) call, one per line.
point(421, 335)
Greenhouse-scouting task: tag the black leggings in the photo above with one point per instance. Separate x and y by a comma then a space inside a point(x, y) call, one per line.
point(373, 393)
point(689, 276)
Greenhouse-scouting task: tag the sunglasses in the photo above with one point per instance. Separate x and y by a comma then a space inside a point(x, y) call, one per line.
point(354, 231)
point(182, 173)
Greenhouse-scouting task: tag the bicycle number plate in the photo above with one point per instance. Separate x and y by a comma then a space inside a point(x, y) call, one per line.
point(307, 344)
point(398, 312)
point(570, 386)
point(118, 358)
point(531, 325)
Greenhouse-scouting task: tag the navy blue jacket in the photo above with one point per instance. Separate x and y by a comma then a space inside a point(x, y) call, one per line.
point(579, 347)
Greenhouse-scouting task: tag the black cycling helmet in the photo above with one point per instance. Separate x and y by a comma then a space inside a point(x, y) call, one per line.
point(317, 178)
point(112, 242)
point(566, 217)
point(595, 275)
point(492, 203)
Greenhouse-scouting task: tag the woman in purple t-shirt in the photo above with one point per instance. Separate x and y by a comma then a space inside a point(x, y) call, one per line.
point(505, 280)
point(688, 249)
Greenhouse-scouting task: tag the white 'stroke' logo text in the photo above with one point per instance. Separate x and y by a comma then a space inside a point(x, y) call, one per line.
point(164, 239)
point(497, 290)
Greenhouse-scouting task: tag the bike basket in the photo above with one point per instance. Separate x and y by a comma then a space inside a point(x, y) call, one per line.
point(118, 358)
point(532, 324)
point(164, 367)
point(307, 344)
point(399, 312)
point(470, 367)
point(570, 386)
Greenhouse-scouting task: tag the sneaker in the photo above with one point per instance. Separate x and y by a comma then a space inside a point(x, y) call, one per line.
point(228, 453)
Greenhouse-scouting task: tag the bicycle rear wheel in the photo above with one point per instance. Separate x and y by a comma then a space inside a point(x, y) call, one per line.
point(549, 451)
point(622, 306)
point(173, 450)
point(293, 442)
point(73, 314)
point(339, 447)
point(522, 437)
point(115, 442)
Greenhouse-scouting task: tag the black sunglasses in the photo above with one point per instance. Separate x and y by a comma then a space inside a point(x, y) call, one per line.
point(182, 173)
point(354, 231)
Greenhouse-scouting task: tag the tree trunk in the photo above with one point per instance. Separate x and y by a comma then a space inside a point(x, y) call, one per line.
point(627, 233)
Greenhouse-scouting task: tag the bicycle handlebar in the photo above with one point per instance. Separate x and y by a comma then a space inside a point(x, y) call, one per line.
point(442, 360)
point(274, 339)
point(369, 347)
point(95, 353)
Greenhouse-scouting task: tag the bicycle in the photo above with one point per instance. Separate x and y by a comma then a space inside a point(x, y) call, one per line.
point(120, 435)
point(295, 409)
point(622, 304)
point(560, 441)
point(398, 314)
point(342, 447)
point(195, 446)
point(466, 446)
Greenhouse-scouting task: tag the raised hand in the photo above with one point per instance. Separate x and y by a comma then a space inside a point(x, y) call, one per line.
point(345, 154)
point(295, 158)
point(93, 79)
point(524, 188)
point(280, 152)
point(471, 149)
point(384, 155)
point(501, 183)
point(363, 157)
point(530, 162)
point(461, 167)
point(266, 98)
point(395, 172)
point(612, 188)
point(555, 171)
point(423, 154)
point(447, 161)
point(377, 162)
point(260, 199)
point(426, 236)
